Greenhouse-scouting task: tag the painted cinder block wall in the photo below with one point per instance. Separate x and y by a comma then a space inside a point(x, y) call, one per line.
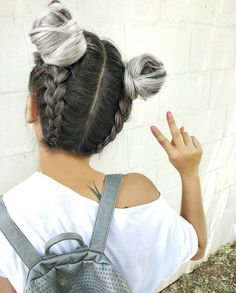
point(196, 40)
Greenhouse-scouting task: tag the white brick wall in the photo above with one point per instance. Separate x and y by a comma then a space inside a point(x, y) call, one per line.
point(196, 40)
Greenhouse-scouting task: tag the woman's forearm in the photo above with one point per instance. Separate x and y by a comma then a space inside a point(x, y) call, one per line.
point(192, 206)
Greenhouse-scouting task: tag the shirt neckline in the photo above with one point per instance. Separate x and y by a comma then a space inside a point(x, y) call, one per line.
point(76, 195)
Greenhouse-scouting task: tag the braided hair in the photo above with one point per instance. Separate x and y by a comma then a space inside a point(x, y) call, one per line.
point(83, 89)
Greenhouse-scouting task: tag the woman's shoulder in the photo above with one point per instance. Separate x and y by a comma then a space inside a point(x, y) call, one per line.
point(137, 189)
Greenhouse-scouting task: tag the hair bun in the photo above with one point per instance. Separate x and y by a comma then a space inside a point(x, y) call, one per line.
point(57, 36)
point(144, 75)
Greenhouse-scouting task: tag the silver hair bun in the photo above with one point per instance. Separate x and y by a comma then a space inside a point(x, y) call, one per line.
point(57, 36)
point(144, 75)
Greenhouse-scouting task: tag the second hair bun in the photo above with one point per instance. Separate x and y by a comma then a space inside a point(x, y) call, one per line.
point(144, 75)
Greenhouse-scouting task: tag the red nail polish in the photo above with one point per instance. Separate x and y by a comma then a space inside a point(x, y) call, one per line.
point(154, 129)
point(169, 114)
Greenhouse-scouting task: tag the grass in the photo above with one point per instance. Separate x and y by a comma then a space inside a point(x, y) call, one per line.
point(216, 275)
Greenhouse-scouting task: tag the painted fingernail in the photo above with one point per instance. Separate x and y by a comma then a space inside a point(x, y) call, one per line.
point(154, 129)
point(169, 115)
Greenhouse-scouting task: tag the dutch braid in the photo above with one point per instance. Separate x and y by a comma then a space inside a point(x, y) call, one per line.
point(60, 42)
point(55, 89)
point(121, 115)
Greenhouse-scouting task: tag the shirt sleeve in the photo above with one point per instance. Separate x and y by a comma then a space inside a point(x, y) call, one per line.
point(181, 241)
point(186, 239)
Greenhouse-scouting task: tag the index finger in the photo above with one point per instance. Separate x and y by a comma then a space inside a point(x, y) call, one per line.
point(177, 136)
point(164, 142)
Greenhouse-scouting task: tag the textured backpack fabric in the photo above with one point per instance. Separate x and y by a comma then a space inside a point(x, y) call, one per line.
point(87, 269)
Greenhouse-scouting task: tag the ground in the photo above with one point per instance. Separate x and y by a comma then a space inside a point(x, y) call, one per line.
point(216, 275)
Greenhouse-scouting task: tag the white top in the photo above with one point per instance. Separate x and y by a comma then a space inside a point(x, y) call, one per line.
point(147, 243)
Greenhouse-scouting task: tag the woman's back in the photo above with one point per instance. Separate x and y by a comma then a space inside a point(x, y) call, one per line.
point(147, 241)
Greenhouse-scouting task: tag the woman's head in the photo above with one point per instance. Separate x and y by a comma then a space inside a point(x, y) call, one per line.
point(82, 87)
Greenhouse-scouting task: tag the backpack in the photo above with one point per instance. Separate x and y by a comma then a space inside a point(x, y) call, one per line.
point(87, 269)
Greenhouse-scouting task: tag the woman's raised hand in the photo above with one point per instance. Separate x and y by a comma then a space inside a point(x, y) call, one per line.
point(184, 151)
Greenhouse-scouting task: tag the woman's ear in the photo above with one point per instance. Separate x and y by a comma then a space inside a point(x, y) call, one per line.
point(32, 109)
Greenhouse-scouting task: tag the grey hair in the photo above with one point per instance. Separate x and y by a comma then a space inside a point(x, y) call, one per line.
point(65, 44)
point(144, 76)
point(83, 89)
point(58, 38)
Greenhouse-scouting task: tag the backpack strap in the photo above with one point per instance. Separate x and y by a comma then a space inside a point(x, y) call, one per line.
point(17, 239)
point(105, 212)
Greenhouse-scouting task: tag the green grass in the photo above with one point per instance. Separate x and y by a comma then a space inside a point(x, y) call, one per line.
point(216, 275)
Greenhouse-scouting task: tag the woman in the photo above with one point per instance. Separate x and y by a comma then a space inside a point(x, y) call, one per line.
point(81, 93)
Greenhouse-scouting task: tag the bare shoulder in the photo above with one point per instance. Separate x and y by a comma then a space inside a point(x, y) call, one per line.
point(5, 286)
point(137, 189)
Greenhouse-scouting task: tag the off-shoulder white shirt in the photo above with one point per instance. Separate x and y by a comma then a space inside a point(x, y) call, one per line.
point(147, 243)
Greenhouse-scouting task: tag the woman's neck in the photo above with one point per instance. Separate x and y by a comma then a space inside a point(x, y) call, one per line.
point(65, 166)
point(72, 171)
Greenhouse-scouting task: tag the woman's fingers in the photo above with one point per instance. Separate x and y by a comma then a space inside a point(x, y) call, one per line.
point(180, 138)
point(186, 137)
point(177, 137)
point(190, 140)
point(164, 142)
point(197, 143)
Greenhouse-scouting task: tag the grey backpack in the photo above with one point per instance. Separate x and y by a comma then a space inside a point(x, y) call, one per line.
point(87, 269)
